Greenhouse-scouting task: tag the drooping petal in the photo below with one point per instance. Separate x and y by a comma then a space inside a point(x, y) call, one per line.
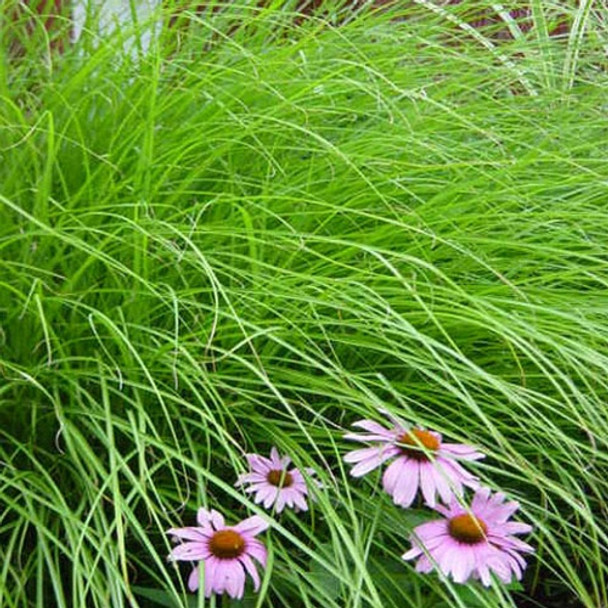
point(484, 574)
point(280, 502)
point(297, 478)
point(190, 533)
point(413, 553)
point(463, 566)
point(251, 526)
point(194, 579)
point(515, 527)
point(210, 518)
point(407, 485)
point(460, 450)
point(298, 488)
point(271, 496)
point(234, 578)
point(430, 530)
point(375, 432)
point(275, 459)
point(441, 483)
point(480, 500)
point(213, 579)
point(441, 555)
point(497, 499)
point(362, 455)
point(288, 494)
point(255, 489)
point(400, 425)
point(251, 569)
point(501, 568)
point(424, 565)
point(250, 478)
point(299, 501)
point(265, 494)
point(510, 543)
point(450, 511)
point(257, 550)
point(428, 487)
point(514, 565)
point(392, 474)
point(454, 470)
point(258, 464)
point(368, 459)
point(190, 551)
point(500, 513)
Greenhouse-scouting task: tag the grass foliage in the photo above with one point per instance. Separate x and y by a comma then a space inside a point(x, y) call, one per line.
point(256, 233)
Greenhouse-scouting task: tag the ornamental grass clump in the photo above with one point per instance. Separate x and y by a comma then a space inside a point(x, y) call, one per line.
point(255, 236)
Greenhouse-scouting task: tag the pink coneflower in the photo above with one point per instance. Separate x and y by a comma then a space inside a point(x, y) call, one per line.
point(472, 542)
point(422, 461)
point(274, 483)
point(225, 550)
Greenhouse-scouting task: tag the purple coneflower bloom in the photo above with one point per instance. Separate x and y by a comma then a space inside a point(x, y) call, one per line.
point(472, 542)
point(225, 550)
point(422, 461)
point(274, 483)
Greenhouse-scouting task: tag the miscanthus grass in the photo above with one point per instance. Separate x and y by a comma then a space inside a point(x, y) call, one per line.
point(254, 234)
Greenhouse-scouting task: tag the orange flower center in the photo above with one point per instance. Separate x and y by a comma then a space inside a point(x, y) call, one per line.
point(227, 544)
point(414, 442)
point(279, 478)
point(467, 528)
